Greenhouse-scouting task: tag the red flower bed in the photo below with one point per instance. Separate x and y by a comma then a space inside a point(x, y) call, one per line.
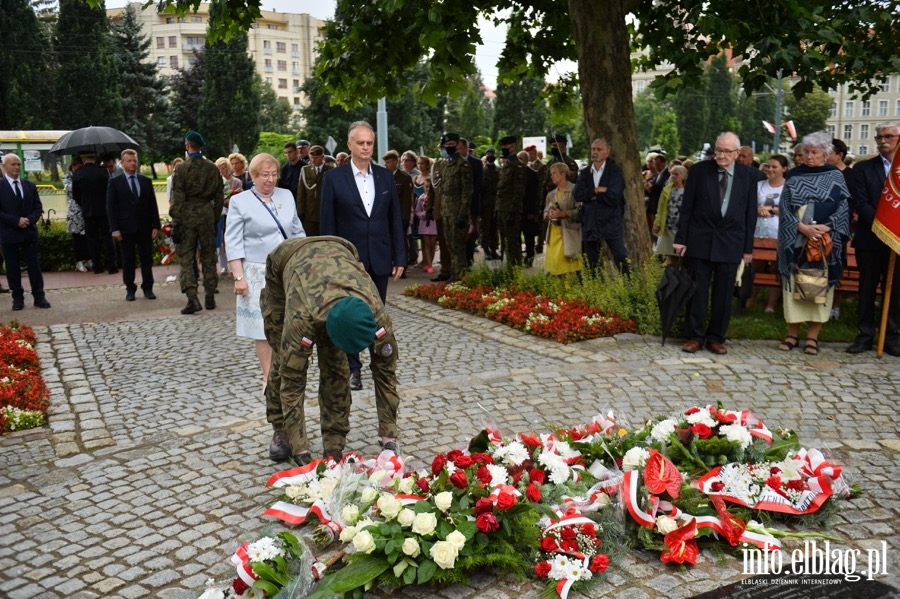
point(565, 321)
point(21, 383)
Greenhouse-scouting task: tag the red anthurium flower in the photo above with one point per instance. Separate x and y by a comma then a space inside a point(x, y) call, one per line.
point(543, 569)
point(530, 440)
point(599, 563)
point(732, 527)
point(723, 417)
point(660, 475)
point(681, 545)
point(487, 523)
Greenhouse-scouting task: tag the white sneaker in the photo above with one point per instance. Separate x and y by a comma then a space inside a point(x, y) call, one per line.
point(80, 267)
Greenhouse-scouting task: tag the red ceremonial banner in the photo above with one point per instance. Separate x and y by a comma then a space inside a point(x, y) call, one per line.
point(887, 215)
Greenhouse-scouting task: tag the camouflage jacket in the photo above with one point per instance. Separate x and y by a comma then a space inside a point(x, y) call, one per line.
point(197, 193)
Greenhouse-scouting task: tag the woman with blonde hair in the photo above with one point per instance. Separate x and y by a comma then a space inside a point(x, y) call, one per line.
point(238, 164)
point(564, 235)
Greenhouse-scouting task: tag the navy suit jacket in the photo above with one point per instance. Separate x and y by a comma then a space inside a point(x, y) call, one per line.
point(379, 238)
point(601, 212)
point(128, 214)
point(701, 227)
point(12, 209)
point(867, 180)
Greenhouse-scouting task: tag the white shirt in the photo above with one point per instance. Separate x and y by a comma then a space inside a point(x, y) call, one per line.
point(10, 181)
point(365, 183)
point(597, 173)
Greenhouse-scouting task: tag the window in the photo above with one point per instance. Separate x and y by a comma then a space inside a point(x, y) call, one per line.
point(295, 51)
point(864, 132)
point(897, 109)
point(192, 60)
point(194, 41)
point(833, 112)
point(267, 48)
point(173, 41)
point(282, 65)
point(848, 108)
point(296, 102)
point(866, 108)
point(196, 19)
point(269, 80)
point(267, 65)
point(272, 27)
point(639, 86)
point(848, 131)
point(882, 107)
point(160, 43)
point(830, 130)
point(170, 20)
point(282, 84)
point(281, 47)
point(885, 84)
point(863, 150)
point(161, 62)
point(295, 68)
point(173, 62)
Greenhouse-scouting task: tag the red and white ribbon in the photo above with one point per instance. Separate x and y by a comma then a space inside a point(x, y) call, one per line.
point(295, 476)
point(241, 562)
point(297, 514)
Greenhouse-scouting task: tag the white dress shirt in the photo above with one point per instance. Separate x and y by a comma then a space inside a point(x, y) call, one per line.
point(365, 183)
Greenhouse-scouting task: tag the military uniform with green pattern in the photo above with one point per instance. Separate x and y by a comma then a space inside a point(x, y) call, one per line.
point(510, 199)
point(456, 200)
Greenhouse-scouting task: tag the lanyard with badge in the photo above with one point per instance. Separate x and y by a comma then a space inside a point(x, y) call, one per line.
point(271, 212)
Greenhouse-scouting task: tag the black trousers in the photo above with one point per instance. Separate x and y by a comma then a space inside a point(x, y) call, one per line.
point(144, 244)
point(29, 250)
point(97, 231)
point(616, 246)
point(381, 283)
point(872, 266)
point(721, 277)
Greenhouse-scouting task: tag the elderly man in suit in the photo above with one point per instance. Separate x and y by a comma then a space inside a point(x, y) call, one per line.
point(134, 221)
point(715, 233)
point(866, 182)
point(20, 210)
point(360, 204)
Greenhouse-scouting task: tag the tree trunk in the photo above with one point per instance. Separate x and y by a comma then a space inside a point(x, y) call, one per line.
point(604, 73)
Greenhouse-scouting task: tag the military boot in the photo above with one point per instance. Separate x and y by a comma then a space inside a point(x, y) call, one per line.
point(280, 447)
point(193, 305)
point(210, 301)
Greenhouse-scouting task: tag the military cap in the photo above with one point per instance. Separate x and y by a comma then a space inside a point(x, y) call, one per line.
point(351, 325)
point(391, 154)
point(509, 139)
point(329, 158)
point(443, 139)
point(530, 148)
point(451, 137)
point(302, 142)
point(194, 137)
point(561, 138)
point(471, 145)
point(490, 151)
point(317, 151)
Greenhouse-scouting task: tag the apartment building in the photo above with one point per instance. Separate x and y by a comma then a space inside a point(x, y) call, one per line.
point(282, 45)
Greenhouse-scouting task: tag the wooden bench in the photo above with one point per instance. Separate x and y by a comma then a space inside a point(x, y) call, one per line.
point(767, 250)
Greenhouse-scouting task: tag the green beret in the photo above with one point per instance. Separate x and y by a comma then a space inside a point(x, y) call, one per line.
point(194, 137)
point(351, 325)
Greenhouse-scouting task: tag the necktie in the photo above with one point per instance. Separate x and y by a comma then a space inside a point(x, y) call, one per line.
point(134, 187)
point(18, 191)
point(723, 186)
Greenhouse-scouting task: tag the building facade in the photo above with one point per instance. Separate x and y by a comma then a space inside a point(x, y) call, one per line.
point(282, 45)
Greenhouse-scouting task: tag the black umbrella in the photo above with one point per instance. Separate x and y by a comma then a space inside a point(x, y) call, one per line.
point(674, 292)
point(99, 140)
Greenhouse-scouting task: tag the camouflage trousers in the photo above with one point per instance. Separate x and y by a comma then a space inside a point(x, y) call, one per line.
point(511, 238)
point(186, 251)
point(457, 238)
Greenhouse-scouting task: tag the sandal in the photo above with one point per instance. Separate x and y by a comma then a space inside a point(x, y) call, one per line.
point(787, 344)
point(811, 347)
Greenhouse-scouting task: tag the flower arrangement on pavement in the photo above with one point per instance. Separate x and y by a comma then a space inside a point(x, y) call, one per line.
point(565, 321)
point(24, 398)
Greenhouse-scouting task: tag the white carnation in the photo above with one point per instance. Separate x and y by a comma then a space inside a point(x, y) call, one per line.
point(635, 459)
point(661, 430)
point(736, 434)
point(499, 474)
point(513, 454)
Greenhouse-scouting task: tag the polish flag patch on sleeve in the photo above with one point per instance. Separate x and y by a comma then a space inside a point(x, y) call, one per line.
point(306, 342)
point(380, 333)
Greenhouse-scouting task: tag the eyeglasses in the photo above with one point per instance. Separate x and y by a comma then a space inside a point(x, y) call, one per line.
point(723, 151)
point(268, 175)
point(887, 137)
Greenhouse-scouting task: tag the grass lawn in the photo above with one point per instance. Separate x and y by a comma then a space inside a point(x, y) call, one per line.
point(754, 323)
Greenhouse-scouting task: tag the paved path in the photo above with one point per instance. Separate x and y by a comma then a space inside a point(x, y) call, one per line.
point(154, 463)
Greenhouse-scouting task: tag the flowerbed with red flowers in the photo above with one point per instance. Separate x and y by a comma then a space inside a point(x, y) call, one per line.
point(565, 321)
point(24, 398)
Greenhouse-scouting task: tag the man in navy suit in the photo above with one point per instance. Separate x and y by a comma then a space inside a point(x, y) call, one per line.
point(360, 204)
point(715, 233)
point(134, 221)
point(866, 182)
point(20, 209)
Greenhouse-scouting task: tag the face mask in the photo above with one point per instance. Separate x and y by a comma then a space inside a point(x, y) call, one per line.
point(451, 150)
point(443, 153)
point(555, 152)
point(505, 152)
point(492, 159)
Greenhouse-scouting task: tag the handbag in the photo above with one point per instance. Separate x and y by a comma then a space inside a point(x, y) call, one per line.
point(811, 283)
point(816, 251)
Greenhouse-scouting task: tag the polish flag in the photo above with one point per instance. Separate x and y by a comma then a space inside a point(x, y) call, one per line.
point(769, 126)
point(792, 131)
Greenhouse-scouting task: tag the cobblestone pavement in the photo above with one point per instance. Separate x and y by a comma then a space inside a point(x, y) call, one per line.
point(154, 464)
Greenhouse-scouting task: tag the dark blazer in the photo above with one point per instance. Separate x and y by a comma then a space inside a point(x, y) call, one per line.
point(404, 185)
point(378, 238)
point(601, 212)
point(12, 209)
point(89, 189)
point(128, 214)
point(701, 227)
point(866, 182)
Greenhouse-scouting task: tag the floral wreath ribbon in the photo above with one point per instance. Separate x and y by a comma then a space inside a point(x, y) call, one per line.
point(571, 518)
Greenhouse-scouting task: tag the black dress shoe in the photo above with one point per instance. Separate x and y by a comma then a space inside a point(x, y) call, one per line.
point(112, 271)
point(40, 303)
point(859, 347)
point(355, 381)
point(4, 290)
point(129, 296)
point(891, 348)
point(210, 301)
point(440, 278)
point(193, 305)
point(19, 305)
point(149, 294)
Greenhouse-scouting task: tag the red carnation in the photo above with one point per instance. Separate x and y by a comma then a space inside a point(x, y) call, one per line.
point(690, 411)
point(795, 485)
point(239, 586)
point(463, 461)
point(548, 544)
point(701, 430)
point(588, 529)
point(459, 479)
point(483, 505)
point(542, 569)
point(505, 501)
point(774, 470)
point(487, 523)
point(774, 482)
point(532, 493)
point(567, 533)
point(537, 476)
point(599, 564)
point(438, 464)
point(569, 546)
point(483, 475)
point(422, 483)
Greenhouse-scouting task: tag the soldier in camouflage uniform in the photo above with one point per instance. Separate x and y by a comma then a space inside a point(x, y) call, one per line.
point(197, 199)
point(488, 226)
point(456, 200)
point(510, 198)
point(312, 284)
point(434, 211)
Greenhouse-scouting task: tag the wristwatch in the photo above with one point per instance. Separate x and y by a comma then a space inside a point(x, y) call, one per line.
point(239, 278)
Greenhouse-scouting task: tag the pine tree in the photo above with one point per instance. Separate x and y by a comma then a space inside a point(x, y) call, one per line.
point(520, 110)
point(87, 80)
point(24, 47)
point(230, 106)
point(187, 93)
